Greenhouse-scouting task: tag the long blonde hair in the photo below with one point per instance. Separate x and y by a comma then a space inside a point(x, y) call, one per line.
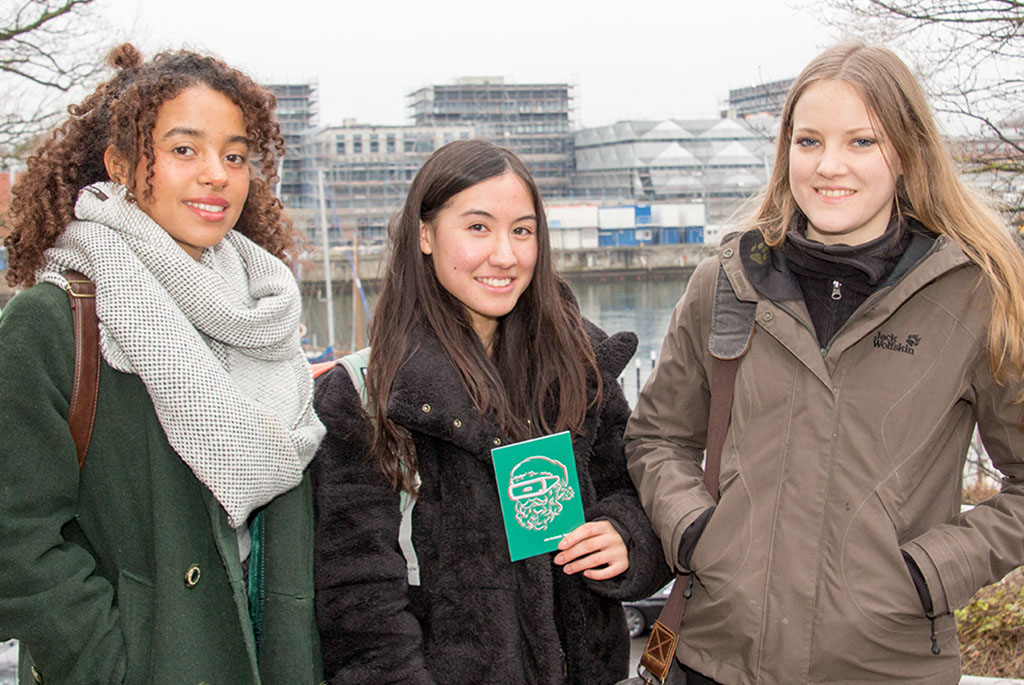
point(929, 190)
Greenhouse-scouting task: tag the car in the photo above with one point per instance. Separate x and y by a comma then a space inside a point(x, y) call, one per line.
point(640, 615)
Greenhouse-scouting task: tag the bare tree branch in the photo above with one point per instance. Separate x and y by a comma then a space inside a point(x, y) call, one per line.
point(44, 16)
point(48, 50)
point(970, 55)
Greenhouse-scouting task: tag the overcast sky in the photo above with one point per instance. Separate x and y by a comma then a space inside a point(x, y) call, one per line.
point(639, 59)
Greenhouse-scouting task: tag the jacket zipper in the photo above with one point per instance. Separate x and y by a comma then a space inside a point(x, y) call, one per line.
point(836, 292)
point(878, 293)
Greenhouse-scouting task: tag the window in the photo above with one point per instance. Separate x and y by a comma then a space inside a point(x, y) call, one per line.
point(374, 143)
point(390, 144)
point(339, 145)
point(357, 144)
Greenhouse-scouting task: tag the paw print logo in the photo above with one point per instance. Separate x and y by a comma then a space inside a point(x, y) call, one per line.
point(759, 253)
point(913, 340)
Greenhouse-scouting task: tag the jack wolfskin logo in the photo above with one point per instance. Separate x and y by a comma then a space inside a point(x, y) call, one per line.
point(759, 253)
point(889, 341)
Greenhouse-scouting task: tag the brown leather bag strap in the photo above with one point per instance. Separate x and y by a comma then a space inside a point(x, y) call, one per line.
point(732, 330)
point(723, 383)
point(82, 295)
point(661, 645)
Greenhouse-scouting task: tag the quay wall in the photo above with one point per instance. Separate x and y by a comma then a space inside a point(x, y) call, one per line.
point(598, 263)
point(575, 264)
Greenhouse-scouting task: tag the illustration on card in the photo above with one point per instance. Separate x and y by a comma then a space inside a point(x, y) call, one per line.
point(539, 493)
point(538, 486)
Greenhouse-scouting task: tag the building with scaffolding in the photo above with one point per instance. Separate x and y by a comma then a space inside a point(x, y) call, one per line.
point(760, 100)
point(531, 120)
point(297, 113)
point(368, 170)
point(719, 162)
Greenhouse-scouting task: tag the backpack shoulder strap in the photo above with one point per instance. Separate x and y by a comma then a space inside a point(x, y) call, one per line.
point(82, 295)
point(355, 364)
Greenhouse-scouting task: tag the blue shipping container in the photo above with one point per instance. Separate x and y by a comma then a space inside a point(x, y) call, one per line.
point(694, 234)
point(643, 215)
point(669, 236)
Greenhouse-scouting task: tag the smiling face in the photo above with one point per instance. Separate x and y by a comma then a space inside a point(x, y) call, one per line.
point(484, 246)
point(200, 168)
point(842, 168)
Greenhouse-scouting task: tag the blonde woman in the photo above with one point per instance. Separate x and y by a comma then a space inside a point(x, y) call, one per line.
point(888, 306)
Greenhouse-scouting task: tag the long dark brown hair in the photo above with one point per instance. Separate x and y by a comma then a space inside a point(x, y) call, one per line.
point(121, 113)
point(535, 379)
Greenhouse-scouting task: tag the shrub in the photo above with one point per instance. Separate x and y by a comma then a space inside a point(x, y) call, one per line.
point(991, 629)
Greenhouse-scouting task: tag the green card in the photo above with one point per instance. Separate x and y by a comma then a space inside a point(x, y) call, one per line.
point(539, 493)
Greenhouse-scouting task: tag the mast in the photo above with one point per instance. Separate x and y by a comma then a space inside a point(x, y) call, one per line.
point(325, 247)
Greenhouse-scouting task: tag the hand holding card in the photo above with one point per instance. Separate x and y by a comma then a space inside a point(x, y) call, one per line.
point(595, 548)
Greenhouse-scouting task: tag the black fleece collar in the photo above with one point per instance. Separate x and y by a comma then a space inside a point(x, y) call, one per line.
point(768, 272)
point(428, 396)
point(860, 267)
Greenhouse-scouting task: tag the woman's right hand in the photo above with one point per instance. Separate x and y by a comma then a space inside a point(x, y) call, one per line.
point(595, 548)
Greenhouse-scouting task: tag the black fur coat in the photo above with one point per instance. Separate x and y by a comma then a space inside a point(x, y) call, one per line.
point(477, 617)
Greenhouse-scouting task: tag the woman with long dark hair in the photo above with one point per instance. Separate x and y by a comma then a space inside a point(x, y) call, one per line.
point(475, 343)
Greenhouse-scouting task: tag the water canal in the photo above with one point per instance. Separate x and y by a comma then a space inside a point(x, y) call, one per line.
point(623, 303)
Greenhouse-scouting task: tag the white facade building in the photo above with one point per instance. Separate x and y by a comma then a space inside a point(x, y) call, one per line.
point(719, 162)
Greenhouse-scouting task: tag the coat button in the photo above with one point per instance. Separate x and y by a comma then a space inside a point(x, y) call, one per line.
point(768, 316)
point(457, 423)
point(727, 252)
point(497, 441)
point(425, 408)
point(192, 576)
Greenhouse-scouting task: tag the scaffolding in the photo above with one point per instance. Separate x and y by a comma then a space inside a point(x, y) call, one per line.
point(297, 113)
point(368, 170)
point(531, 120)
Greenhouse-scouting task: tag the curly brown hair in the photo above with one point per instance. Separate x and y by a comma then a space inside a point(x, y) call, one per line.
point(121, 114)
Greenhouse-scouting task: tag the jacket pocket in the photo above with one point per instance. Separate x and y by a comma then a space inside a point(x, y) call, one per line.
point(724, 545)
point(135, 609)
point(289, 652)
point(875, 574)
point(871, 620)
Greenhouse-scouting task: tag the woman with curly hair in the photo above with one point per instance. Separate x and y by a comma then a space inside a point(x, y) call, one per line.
point(179, 546)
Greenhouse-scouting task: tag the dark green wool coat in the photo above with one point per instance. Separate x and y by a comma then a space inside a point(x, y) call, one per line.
point(93, 565)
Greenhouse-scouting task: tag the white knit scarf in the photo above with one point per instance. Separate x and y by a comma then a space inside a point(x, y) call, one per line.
point(215, 341)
